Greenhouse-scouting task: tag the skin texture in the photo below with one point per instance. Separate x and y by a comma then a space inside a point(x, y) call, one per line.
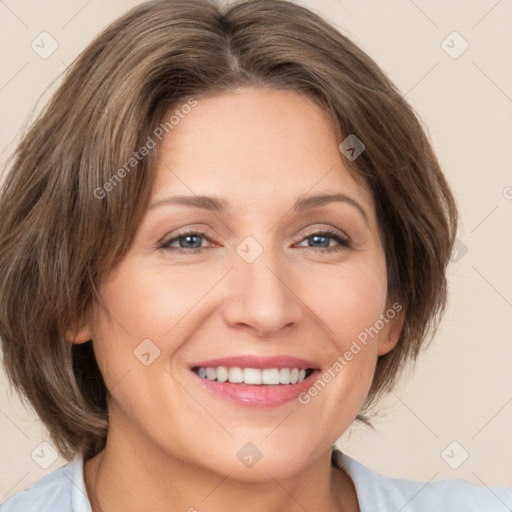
point(172, 445)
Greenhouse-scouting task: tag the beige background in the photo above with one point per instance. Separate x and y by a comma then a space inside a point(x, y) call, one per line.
point(462, 388)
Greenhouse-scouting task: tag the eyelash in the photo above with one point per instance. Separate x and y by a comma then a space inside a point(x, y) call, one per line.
point(344, 243)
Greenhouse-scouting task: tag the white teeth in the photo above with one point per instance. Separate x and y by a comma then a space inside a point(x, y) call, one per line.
point(270, 376)
point(235, 375)
point(222, 374)
point(284, 376)
point(253, 376)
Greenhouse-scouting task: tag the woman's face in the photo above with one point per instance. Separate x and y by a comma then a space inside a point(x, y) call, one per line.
point(254, 284)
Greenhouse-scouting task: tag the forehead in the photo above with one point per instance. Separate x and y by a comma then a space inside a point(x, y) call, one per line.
point(255, 147)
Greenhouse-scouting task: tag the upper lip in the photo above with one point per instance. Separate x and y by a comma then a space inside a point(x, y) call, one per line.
point(253, 361)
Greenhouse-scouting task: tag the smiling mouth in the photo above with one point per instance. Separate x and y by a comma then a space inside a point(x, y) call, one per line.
point(253, 376)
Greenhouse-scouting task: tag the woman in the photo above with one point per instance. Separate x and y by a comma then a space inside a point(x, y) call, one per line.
point(221, 243)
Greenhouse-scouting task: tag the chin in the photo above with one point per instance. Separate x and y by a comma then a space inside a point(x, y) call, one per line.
point(259, 460)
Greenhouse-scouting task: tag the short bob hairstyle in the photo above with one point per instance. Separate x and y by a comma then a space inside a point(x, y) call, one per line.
point(61, 234)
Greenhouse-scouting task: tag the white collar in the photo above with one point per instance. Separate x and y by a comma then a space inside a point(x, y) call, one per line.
point(79, 498)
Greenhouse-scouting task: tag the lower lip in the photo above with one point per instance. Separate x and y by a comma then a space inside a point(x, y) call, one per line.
point(258, 396)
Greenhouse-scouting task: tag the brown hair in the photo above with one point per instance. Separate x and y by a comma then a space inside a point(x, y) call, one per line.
point(58, 239)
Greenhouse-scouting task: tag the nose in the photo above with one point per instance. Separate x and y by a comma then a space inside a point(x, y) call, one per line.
point(261, 297)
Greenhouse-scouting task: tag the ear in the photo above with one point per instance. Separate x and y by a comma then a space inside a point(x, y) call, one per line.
point(393, 319)
point(80, 334)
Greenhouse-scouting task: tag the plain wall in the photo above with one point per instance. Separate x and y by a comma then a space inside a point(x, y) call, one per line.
point(461, 389)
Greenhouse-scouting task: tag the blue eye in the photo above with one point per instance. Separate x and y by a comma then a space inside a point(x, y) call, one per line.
point(191, 243)
point(186, 241)
point(328, 235)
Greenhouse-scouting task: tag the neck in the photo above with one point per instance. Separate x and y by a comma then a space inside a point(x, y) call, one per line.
point(123, 477)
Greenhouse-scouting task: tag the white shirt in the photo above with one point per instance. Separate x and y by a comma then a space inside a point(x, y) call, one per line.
point(64, 490)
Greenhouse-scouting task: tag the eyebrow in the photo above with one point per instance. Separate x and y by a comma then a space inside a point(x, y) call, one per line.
point(303, 203)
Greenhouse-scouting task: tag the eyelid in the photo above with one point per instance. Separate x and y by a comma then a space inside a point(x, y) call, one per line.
point(169, 237)
point(331, 230)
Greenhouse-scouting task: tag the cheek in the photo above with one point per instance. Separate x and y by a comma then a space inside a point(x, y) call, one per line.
point(349, 302)
point(350, 310)
point(349, 307)
point(151, 309)
point(150, 302)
